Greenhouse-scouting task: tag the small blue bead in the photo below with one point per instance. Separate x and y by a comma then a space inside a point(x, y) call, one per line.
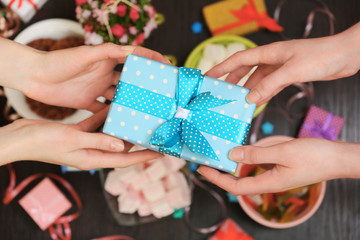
point(197, 27)
point(192, 166)
point(267, 128)
point(231, 197)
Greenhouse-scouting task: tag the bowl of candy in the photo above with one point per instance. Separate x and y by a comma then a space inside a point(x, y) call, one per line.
point(283, 209)
point(215, 50)
point(147, 192)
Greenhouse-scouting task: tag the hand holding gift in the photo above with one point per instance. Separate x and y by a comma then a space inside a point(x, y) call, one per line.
point(74, 78)
point(302, 161)
point(283, 63)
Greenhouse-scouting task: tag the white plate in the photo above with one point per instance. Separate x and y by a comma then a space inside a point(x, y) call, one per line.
point(50, 28)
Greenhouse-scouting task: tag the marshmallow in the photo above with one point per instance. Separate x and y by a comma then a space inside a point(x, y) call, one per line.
point(128, 174)
point(113, 185)
point(177, 198)
point(233, 48)
point(174, 180)
point(173, 163)
point(144, 208)
point(156, 171)
point(214, 52)
point(246, 77)
point(205, 65)
point(161, 208)
point(129, 202)
point(140, 182)
point(154, 191)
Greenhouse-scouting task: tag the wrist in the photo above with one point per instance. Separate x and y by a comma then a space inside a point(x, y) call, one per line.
point(19, 65)
point(10, 144)
point(349, 41)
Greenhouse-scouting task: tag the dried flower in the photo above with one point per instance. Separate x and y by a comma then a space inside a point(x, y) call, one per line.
point(116, 21)
point(117, 30)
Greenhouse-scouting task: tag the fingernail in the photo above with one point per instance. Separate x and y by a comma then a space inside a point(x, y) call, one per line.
point(117, 146)
point(237, 154)
point(253, 96)
point(128, 48)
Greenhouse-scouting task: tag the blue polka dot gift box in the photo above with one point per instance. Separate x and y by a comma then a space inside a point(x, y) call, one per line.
point(179, 112)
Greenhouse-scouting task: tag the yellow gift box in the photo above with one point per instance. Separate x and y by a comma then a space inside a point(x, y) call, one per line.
point(238, 17)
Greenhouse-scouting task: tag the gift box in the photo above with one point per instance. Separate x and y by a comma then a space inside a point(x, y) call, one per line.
point(45, 203)
point(238, 17)
point(229, 230)
point(25, 9)
point(179, 112)
point(321, 124)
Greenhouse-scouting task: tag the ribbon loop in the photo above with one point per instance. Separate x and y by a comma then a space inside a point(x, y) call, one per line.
point(206, 101)
point(179, 131)
point(189, 83)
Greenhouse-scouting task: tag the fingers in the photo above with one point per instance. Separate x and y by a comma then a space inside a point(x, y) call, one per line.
point(109, 93)
point(93, 122)
point(267, 54)
point(116, 78)
point(144, 52)
point(237, 75)
point(99, 141)
point(263, 183)
point(267, 87)
point(258, 75)
point(112, 51)
point(91, 158)
point(260, 155)
point(96, 106)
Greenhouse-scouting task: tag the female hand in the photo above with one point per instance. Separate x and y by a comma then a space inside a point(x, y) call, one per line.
point(73, 77)
point(293, 164)
point(282, 63)
point(69, 145)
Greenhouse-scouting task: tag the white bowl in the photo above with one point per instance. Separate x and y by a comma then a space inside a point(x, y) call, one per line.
point(55, 29)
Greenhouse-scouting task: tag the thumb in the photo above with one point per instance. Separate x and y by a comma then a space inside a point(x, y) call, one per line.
point(259, 155)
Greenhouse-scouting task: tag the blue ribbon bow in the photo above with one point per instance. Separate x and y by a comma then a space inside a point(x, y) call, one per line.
point(179, 131)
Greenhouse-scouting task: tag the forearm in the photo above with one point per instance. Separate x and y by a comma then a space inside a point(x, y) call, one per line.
point(18, 64)
point(11, 144)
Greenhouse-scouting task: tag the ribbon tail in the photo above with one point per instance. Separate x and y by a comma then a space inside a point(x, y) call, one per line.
point(195, 141)
point(175, 150)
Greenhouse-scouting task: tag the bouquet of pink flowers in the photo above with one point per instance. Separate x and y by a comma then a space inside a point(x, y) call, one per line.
point(124, 22)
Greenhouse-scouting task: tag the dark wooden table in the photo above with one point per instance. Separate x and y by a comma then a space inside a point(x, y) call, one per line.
point(337, 218)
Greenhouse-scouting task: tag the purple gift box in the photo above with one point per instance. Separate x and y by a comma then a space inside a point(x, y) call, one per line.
point(321, 124)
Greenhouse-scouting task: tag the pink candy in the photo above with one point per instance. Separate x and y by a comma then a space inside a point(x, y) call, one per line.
point(154, 191)
point(173, 164)
point(156, 171)
point(155, 187)
point(129, 202)
point(161, 208)
point(113, 185)
point(178, 198)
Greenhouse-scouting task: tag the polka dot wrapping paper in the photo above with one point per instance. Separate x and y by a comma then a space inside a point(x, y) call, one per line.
point(207, 117)
point(321, 124)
